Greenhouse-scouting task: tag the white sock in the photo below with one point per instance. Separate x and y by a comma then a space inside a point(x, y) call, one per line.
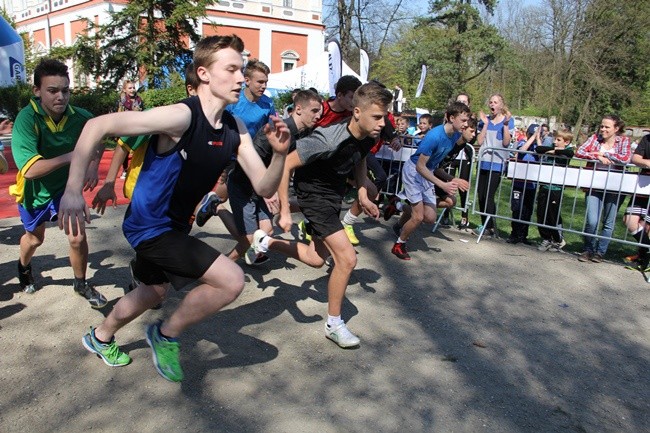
point(334, 321)
point(264, 244)
point(400, 241)
point(349, 218)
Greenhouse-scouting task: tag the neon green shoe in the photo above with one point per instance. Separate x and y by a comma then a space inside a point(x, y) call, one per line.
point(166, 356)
point(304, 231)
point(109, 353)
point(349, 230)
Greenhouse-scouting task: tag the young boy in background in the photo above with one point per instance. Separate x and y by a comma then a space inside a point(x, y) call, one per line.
point(549, 196)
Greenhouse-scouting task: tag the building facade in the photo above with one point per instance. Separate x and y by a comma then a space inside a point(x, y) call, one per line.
point(284, 34)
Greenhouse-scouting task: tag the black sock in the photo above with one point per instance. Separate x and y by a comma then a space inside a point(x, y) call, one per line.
point(163, 335)
point(100, 341)
point(22, 269)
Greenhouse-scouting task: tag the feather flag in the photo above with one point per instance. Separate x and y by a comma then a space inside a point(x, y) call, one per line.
point(423, 75)
point(364, 65)
point(335, 64)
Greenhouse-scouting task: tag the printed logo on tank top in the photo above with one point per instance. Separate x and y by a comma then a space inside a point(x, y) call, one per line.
point(215, 143)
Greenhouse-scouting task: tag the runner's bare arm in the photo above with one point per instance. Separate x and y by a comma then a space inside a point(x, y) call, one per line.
point(292, 162)
point(361, 179)
point(107, 192)
point(265, 180)
point(73, 211)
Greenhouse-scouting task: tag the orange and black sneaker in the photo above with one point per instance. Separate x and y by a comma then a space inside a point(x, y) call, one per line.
point(634, 258)
point(399, 249)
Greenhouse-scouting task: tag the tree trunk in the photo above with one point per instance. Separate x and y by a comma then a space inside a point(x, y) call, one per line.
point(585, 108)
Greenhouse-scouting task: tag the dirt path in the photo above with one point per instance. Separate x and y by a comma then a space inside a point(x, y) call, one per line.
point(484, 337)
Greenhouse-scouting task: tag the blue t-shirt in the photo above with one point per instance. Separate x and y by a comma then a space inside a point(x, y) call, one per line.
point(253, 114)
point(436, 145)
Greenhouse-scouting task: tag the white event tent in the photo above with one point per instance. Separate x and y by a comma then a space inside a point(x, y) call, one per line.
point(313, 74)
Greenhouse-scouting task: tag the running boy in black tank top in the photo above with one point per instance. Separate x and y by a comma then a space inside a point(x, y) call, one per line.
point(194, 140)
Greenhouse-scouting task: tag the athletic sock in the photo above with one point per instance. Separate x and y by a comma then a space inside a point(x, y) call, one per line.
point(400, 241)
point(98, 340)
point(349, 218)
point(22, 268)
point(334, 321)
point(264, 244)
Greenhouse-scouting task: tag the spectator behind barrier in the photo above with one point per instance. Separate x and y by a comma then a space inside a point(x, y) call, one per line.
point(607, 148)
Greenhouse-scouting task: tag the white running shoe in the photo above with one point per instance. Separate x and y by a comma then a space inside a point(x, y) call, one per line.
point(556, 247)
point(255, 250)
point(545, 245)
point(341, 335)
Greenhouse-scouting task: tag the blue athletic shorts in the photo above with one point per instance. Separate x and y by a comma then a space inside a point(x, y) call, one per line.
point(33, 218)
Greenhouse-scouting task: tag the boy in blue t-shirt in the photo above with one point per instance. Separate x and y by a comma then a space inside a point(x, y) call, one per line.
point(418, 178)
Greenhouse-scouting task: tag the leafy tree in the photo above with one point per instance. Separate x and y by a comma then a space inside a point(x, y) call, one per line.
point(611, 57)
point(454, 43)
point(148, 36)
point(365, 24)
point(471, 45)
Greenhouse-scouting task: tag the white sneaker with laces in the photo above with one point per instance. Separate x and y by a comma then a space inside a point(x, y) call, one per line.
point(341, 335)
point(255, 249)
point(557, 246)
point(545, 245)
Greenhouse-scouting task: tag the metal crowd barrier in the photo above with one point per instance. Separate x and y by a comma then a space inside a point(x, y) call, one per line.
point(624, 182)
point(393, 161)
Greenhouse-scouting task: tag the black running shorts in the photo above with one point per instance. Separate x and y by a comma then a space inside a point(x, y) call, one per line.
point(173, 257)
point(324, 213)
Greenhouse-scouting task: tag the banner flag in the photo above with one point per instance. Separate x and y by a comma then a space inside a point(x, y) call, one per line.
point(423, 75)
point(335, 64)
point(364, 65)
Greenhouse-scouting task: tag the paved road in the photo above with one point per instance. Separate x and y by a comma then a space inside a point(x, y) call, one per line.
point(486, 337)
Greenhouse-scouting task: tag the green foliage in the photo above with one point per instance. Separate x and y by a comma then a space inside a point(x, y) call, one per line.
point(638, 113)
point(14, 98)
point(281, 101)
point(159, 97)
point(97, 101)
point(454, 43)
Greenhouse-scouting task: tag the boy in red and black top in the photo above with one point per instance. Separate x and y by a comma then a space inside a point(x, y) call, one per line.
point(340, 107)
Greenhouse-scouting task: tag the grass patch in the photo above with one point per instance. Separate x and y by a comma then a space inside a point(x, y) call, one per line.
point(573, 203)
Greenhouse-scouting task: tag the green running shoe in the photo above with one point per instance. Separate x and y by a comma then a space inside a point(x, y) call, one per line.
point(304, 231)
point(109, 353)
point(166, 357)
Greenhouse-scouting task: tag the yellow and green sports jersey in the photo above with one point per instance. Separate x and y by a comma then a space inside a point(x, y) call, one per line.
point(36, 136)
